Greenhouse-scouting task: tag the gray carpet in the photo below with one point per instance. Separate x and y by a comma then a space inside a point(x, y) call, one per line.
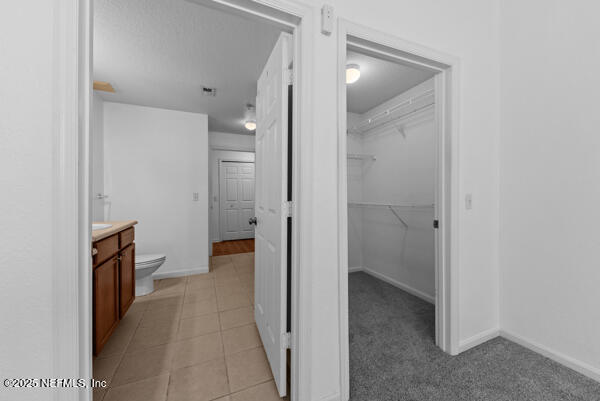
point(393, 357)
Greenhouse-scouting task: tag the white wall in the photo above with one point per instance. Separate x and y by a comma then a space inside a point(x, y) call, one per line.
point(224, 146)
point(155, 160)
point(97, 157)
point(26, 176)
point(550, 178)
point(227, 141)
point(404, 172)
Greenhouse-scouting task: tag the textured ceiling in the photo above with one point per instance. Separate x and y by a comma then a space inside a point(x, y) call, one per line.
point(380, 80)
point(160, 53)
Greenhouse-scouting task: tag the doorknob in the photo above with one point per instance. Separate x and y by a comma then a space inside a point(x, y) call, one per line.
point(252, 220)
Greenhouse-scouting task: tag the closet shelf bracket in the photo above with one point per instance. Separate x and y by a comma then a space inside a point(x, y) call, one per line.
point(398, 216)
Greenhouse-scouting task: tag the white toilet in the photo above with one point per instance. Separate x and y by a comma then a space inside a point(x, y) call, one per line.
point(145, 265)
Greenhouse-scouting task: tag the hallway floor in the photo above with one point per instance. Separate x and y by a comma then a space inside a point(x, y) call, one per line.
point(193, 339)
point(233, 247)
point(393, 357)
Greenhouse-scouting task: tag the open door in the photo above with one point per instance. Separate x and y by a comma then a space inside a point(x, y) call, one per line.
point(272, 208)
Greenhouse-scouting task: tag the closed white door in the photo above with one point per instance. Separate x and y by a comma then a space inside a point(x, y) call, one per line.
point(236, 187)
point(271, 196)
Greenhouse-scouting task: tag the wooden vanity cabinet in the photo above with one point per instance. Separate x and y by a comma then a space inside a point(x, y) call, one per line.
point(114, 283)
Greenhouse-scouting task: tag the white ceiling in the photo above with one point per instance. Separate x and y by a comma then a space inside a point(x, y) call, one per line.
point(380, 80)
point(160, 53)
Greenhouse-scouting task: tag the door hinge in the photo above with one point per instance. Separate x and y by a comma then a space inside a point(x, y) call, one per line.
point(286, 340)
point(287, 208)
point(436, 223)
point(290, 76)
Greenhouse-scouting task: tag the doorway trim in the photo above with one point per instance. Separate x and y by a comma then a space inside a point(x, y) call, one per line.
point(212, 236)
point(212, 239)
point(71, 263)
point(447, 69)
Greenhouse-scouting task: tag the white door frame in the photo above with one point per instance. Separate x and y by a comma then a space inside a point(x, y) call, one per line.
point(216, 237)
point(220, 168)
point(447, 188)
point(219, 160)
point(71, 263)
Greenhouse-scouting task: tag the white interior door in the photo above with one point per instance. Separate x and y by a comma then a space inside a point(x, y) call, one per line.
point(236, 200)
point(271, 196)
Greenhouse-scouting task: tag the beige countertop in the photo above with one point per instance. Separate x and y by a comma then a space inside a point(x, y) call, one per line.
point(116, 227)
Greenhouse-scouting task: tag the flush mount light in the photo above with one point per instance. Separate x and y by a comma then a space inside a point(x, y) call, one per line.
point(250, 118)
point(352, 73)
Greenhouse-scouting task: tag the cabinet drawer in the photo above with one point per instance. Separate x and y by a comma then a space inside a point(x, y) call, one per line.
point(127, 237)
point(106, 248)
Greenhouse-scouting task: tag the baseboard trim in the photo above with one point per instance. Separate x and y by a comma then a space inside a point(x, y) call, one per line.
point(398, 284)
point(180, 273)
point(478, 339)
point(572, 363)
point(355, 269)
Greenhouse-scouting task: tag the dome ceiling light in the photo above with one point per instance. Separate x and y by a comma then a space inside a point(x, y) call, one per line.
point(352, 73)
point(250, 118)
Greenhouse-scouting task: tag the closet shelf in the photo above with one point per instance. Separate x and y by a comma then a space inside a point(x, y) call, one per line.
point(395, 114)
point(424, 206)
point(359, 156)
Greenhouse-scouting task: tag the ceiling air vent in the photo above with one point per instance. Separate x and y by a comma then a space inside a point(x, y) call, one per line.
point(209, 91)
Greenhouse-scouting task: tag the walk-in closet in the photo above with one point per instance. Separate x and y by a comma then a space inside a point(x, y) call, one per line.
point(391, 144)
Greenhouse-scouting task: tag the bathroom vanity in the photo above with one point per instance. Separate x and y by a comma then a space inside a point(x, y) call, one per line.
point(113, 264)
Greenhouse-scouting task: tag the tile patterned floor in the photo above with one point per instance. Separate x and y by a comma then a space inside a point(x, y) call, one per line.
point(193, 339)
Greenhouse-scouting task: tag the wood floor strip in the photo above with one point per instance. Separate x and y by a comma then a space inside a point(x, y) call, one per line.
point(233, 247)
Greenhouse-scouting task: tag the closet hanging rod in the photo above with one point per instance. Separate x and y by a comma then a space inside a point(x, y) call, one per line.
point(389, 207)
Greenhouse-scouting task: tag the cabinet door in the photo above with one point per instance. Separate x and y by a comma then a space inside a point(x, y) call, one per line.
point(126, 278)
point(106, 302)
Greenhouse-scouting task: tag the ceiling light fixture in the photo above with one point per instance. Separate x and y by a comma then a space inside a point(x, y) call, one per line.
point(250, 118)
point(352, 73)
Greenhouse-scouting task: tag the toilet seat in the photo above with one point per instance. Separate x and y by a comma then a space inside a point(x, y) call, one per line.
point(145, 266)
point(144, 260)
